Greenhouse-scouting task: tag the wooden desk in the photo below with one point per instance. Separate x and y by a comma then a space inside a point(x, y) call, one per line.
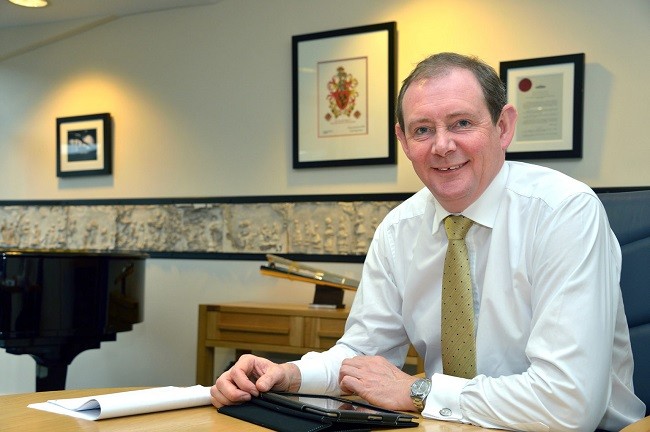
point(279, 328)
point(16, 417)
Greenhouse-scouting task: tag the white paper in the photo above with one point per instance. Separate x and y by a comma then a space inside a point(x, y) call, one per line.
point(128, 403)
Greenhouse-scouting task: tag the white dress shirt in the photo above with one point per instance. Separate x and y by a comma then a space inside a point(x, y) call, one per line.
point(552, 342)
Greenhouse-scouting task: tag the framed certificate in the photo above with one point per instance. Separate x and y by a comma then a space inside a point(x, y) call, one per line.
point(548, 93)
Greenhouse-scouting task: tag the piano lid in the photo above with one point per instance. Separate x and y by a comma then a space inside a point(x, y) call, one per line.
point(59, 294)
point(71, 253)
point(57, 304)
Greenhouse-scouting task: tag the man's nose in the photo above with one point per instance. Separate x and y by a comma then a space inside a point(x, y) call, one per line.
point(443, 143)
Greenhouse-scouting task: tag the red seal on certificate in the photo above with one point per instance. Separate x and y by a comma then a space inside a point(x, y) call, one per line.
point(525, 84)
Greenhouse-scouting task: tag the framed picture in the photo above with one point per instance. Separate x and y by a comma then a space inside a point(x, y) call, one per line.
point(344, 97)
point(83, 145)
point(548, 93)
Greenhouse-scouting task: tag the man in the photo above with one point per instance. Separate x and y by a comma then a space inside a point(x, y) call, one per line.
point(551, 341)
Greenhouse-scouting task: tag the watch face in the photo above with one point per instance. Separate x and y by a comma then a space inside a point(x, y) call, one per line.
point(421, 387)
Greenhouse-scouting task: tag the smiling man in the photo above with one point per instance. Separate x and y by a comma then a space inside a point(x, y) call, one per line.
point(545, 344)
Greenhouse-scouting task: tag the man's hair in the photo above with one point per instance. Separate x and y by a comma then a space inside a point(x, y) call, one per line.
point(441, 64)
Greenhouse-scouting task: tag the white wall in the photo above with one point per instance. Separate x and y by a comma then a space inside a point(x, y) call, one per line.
point(201, 99)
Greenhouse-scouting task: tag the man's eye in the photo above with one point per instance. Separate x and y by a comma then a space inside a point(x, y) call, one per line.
point(421, 130)
point(463, 123)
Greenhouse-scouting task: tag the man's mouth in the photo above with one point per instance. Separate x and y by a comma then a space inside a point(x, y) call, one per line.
point(451, 168)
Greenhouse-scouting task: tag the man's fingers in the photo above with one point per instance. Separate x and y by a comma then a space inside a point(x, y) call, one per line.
point(224, 393)
point(249, 377)
point(233, 386)
point(347, 385)
point(244, 382)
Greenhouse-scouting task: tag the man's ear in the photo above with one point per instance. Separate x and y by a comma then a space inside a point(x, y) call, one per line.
point(506, 125)
point(401, 137)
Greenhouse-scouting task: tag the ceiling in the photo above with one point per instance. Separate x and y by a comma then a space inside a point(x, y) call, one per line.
point(64, 10)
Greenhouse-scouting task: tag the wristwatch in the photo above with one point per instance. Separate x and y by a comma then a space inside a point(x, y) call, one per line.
point(419, 391)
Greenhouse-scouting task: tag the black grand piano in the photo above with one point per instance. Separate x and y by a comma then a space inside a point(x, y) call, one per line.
point(57, 304)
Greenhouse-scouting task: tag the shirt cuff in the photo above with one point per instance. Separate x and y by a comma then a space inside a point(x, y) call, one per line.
point(443, 403)
point(314, 376)
point(311, 372)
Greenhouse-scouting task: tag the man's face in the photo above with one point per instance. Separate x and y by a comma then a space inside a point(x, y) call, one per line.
point(450, 139)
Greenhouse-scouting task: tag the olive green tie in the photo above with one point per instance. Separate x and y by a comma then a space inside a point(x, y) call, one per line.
point(458, 344)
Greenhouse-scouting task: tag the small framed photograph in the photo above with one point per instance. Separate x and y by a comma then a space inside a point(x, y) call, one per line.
point(83, 145)
point(548, 93)
point(344, 97)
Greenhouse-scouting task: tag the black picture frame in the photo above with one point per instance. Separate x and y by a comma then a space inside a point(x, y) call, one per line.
point(548, 93)
point(343, 84)
point(84, 145)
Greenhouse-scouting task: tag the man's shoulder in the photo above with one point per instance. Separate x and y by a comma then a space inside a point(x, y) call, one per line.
point(412, 207)
point(536, 182)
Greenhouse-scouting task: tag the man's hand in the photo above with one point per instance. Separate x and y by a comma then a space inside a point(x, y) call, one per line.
point(377, 381)
point(250, 376)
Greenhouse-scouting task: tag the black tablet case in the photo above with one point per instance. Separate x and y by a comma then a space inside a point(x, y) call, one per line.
point(283, 419)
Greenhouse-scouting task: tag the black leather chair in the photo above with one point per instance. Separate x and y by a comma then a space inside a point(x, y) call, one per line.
point(629, 217)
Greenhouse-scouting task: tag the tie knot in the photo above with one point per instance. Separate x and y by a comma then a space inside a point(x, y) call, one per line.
point(457, 227)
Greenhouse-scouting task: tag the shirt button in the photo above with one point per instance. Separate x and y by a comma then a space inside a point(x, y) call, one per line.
point(445, 412)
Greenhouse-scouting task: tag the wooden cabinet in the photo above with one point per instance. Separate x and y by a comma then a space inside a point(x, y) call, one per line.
point(281, 328)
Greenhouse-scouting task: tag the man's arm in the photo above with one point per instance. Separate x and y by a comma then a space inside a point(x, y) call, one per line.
point(374, 327)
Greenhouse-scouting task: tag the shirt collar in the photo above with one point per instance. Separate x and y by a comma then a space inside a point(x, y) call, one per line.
point(484, 210)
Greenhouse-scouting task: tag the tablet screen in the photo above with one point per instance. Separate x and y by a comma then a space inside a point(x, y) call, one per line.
point(333, 404)
point(339, 409)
